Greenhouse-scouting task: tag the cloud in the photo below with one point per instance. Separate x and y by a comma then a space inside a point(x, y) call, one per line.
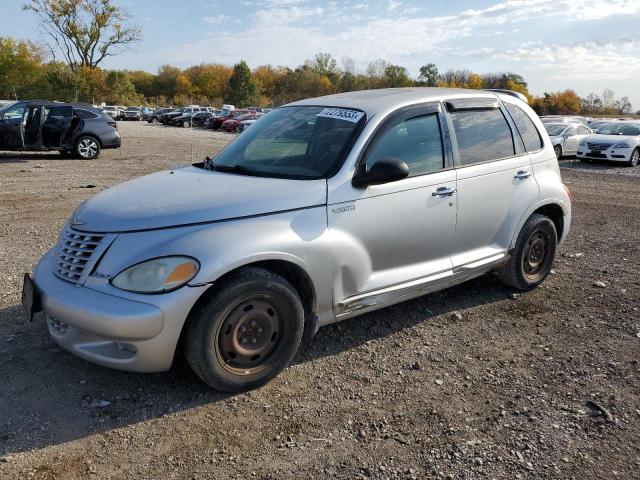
point(216, 19)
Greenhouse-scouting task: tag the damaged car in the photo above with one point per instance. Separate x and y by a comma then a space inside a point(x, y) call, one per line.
point(323, 210)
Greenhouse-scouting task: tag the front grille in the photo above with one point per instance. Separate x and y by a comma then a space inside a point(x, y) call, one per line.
point(598, 146)
point(78, 253)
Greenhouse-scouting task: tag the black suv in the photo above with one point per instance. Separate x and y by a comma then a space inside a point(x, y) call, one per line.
point(155, 116)
point(71, 128)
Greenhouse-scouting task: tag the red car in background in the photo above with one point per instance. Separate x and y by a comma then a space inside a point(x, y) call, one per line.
point(215, 122)
point(233, 124)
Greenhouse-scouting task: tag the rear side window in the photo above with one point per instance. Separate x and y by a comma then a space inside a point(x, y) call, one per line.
point(85, 114)
point(416, 141)
point(528, 131)
point(482, 135)
point(583, 131)
point(60, 112)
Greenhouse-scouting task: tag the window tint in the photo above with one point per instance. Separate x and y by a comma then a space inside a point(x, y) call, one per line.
point(60, 112)
point(416, 141)
point(85, 114)
point(17, 111)
point(528, 131)
point(482, 135)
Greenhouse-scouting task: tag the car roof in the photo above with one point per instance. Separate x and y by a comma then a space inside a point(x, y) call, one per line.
point(566, 124)
point(375, 101)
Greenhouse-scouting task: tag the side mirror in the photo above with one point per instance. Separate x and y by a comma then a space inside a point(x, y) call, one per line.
point(384, 170)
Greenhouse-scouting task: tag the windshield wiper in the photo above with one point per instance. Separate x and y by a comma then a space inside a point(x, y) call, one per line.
point(241, 169)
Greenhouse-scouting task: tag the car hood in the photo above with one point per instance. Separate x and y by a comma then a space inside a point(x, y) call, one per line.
point(192, 195)
point(612, 138)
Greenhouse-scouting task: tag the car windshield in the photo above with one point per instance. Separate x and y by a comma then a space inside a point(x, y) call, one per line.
point(292, 142)
point(554, 129)
point(620, 129)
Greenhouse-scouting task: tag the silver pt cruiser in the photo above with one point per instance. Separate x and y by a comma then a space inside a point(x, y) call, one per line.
point(324, 209)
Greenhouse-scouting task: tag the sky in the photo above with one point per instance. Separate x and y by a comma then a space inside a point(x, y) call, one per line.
point(587, 45)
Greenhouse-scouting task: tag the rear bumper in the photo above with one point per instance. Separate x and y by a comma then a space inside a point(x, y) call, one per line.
point(111, 140)
point(109, 330)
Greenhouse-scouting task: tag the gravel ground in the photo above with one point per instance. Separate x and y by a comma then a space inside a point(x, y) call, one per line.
point(474, 382)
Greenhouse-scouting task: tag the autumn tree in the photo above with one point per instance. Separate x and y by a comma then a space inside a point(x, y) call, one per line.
point(85, 32)
point(20, 65)
point(429, 74)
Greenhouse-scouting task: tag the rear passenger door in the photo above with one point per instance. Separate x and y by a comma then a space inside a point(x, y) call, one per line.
point(495, 181)
point(57, 125)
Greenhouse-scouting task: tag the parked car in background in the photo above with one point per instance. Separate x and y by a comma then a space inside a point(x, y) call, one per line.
point(215, 122)
point(113, 111)
point(233, 124)
point(132, 113)
point(70, 128)
point(566, 136)
point(198, 119)
point(154, 117)
point(565, 119)
point(166, 117)
point(597, 124)
point(228, 108)
point(242, 126)
point(613, 142)
point(146, 113)
point(184, 268)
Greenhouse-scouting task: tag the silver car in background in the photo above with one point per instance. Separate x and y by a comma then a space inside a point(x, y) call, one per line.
point(565, 137)
point(323, 210)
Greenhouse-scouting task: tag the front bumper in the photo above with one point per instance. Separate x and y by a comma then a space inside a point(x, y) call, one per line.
point(611, 154)
point(109, 330)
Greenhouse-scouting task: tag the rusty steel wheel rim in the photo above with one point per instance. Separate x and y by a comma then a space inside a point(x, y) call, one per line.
point(250, 335)
point(535, 255)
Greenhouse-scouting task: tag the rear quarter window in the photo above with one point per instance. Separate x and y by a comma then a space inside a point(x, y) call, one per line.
point(85, 114)
point(528, 131)
point(482, 135)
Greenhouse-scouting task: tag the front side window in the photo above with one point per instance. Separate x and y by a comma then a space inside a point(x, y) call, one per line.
point(416, 141)
point(15, 111)
point(526, 128)
point(583, 131)
point(482, 135)
point(293, 142)
point(571, 132)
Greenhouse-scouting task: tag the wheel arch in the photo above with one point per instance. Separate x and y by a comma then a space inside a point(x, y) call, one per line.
point(552, 208)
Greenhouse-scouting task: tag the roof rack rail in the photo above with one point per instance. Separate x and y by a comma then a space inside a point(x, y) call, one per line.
point(509, 92)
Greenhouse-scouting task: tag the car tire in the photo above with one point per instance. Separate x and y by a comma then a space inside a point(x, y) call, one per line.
point(558, 150)
point(532, 258)
point(87, 147)
point(246, 333)
point(186, 124)
point(635, 158)
point(155, 121)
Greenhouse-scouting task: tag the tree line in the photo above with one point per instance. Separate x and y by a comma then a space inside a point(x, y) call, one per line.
point(27, 71)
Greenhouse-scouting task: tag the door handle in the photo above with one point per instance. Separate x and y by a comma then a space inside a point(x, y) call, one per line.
point(444, 192)
point(522, 174)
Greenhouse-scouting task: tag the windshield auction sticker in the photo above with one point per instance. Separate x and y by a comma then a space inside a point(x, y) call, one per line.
point(353, 116)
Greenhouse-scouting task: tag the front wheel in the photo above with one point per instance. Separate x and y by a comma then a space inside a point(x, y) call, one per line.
point(246, 333)
point(186, 124)
point(87, 148)
point(635, 158)
point(532, 258)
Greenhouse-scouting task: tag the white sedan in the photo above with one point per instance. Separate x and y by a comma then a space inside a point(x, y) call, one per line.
point(615, 142)
point(565, 137)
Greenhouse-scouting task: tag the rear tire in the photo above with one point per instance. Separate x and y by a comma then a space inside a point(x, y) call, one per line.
point(186, 124)
point(558, 150)
point(246, 333)
point(533, 255)
point(87, 147)
point(635, 158)
point(155, 121)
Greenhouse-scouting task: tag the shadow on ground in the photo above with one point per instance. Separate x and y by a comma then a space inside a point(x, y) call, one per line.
point(48, 396)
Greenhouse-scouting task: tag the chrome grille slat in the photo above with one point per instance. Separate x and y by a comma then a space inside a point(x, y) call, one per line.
point(77, 254)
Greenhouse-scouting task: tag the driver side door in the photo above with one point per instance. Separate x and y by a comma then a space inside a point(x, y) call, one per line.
point(12, 127)
point(392, 241)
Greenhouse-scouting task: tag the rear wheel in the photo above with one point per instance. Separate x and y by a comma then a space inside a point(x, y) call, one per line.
point(186, 124)
point(558, 150)
point(155, 121)
point(635, 158)
point(533, 255)
point(87, 148)
point(247, 333)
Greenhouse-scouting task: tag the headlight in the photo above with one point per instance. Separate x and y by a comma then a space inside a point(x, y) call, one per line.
point(158, 275)
point(622, 145)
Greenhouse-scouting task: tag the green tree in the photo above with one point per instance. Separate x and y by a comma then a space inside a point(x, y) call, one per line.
point(20, 66)
point(429, 74)
point(242, 87)
point(85, 32)
point(121, 89)
point(396, 76)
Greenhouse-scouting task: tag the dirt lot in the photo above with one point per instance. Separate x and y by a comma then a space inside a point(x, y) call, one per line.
point(469, 383)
